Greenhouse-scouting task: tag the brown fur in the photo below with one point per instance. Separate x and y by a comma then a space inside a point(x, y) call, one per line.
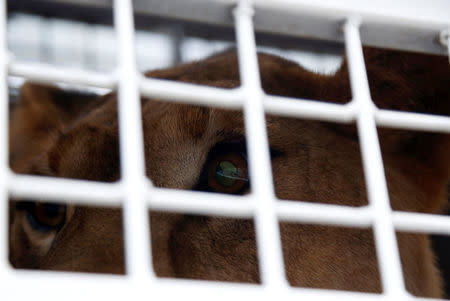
point(317, 162)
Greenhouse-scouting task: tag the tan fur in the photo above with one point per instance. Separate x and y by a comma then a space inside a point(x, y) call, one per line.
point(318, 162)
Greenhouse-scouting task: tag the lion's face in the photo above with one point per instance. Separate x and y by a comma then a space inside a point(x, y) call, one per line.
point(200, 148)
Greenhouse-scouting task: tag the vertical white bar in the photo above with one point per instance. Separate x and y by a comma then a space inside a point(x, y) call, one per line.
point(136, 222)
point(385, 239)
point(271, 263)
point(4, 100)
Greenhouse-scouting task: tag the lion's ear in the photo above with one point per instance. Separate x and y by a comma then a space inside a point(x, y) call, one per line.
point(408, 81)
point(50, 105)
point(405, 81)
point(40, 114)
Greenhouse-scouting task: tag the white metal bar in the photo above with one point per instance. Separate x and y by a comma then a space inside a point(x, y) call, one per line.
point(421, 223)
point(44, 73)
point(290, 107)
point(82, 192)
point(385, 239)
point(190, 93)
point(413, 121)
point(316, 110)
point(206, 203)
point(325, 214)
point(65, 190)
point(295, 107)
point(4, 100)
point(136, 220)
point(196, 202)
point(287, 106)
point(271, 263)
point(113, 287)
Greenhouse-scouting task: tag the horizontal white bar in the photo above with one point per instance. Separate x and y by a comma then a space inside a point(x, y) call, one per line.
point(413, 121)
point(205, 203)
point(65, 190)
point(313, 213)
point(195, 202)
point(54, 285)
point(90, 286)
point(190, 93)
point(310, 109)
point(204, 95)
point(325, 111)
point(16, 82)
point(421, 222)
point(242, 291)
point(44, 73)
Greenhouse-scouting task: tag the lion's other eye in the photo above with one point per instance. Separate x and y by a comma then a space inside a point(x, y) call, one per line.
point(46, 217)
point(228, 173)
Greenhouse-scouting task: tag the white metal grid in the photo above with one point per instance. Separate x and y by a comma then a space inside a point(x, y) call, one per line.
point(136, 194)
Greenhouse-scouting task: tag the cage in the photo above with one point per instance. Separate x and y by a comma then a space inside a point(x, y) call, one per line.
point(99, 65)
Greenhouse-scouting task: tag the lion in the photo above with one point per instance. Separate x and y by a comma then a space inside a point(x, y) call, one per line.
point(61, 134)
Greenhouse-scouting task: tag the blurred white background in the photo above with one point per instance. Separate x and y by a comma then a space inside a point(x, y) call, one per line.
point(80, 45)
point(77, 44)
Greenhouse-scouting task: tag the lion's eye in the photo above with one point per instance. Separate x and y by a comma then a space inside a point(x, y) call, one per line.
point(228, 173)
point(46, 217)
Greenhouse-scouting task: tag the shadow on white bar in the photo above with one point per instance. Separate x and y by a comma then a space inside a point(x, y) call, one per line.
point(190, 93)
point(309, 109)
point(196, 202)
point(65, 190)
point(433, 14)
point(324, 214)
point(413, 121)
point(44, 73)
point(421, 223)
